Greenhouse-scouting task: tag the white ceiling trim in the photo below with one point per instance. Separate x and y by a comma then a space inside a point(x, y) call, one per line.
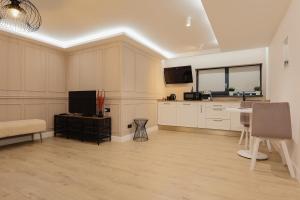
point(105, 34)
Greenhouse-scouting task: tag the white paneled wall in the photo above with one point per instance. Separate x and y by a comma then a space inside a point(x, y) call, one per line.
point(32, 81)
point(131, 77)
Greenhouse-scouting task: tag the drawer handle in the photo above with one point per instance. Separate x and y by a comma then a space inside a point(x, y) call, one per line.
point(217, 120)
point(186, 104)
point(218, 109)
point(217, 106)
point(167, 103)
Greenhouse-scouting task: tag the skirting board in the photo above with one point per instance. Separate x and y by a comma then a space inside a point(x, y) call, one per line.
point(129, 137)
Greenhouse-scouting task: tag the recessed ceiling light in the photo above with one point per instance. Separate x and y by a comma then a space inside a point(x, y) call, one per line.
point(189, 22)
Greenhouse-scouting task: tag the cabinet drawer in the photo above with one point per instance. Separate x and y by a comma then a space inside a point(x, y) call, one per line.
point(222, 124)
point(217, 111)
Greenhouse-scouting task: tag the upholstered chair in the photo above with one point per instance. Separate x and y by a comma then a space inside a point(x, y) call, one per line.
point(245, 121)
point(272, 121)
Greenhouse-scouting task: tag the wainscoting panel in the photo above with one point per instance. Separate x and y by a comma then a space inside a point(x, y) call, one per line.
point(54, 109)
point(35, 111)
point(10, 112)
point(15, 66)
point(35, 69)
point(56, 73)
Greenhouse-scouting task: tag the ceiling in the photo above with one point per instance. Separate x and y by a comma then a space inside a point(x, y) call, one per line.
point(244, 24)
point(161, 24)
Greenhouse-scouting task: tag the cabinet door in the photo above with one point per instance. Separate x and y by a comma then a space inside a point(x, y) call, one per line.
point(201, 116)
point(167, 113)
point(187, 114)
point(235, 122)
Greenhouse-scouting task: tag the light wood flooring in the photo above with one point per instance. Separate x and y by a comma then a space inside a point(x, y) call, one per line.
point(171, 165)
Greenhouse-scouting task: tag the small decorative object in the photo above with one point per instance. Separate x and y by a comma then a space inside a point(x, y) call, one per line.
point(100, 102)
point(231, 91)
point(140, 134)
point(19, 15)
point(257, 90)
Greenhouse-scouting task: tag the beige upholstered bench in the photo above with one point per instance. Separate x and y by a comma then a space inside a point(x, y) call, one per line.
point(19, 128)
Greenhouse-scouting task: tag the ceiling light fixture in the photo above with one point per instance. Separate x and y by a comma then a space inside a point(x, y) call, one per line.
point(19, 15)
point(189, 22)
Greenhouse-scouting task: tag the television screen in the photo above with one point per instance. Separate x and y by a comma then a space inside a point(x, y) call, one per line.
point(177, 75)
point(82, 102)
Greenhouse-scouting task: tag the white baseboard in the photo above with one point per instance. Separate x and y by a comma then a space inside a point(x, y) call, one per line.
point(129, 137)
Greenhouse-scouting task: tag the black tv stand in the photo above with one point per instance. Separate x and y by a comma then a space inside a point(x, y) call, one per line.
point(83, 128)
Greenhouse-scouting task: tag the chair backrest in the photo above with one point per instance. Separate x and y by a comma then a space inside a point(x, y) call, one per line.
point(271, 120)
point(245, 117)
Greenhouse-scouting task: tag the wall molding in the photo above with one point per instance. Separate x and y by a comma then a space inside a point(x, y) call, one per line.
point(129, 137)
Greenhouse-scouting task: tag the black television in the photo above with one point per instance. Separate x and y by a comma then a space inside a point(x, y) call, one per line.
point(82, 102)
point(178, 75)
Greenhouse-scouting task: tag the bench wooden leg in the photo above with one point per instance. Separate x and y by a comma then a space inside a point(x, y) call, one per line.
point(41, 138)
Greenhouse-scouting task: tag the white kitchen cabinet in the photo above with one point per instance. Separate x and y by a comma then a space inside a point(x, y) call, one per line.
point(187, 113)
point(217, 111)
point(235, 122)
point(201, 116)
point(167, 113)
point(218, 123)
point(210, 115)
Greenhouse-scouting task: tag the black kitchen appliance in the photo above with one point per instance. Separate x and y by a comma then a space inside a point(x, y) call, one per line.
point(172, 97)
point(192, 96)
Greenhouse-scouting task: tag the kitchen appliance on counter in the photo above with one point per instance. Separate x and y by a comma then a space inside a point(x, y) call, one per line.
point(172, 97)
point(192, 96)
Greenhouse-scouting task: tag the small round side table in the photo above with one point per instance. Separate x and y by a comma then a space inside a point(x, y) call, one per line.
point(140, 134)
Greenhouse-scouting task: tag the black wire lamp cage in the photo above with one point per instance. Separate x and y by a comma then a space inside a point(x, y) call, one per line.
point(19, 15)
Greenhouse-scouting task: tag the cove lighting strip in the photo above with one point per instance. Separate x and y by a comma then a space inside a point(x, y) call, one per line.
point(103, 34)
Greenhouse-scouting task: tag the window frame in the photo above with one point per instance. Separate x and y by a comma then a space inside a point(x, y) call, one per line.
point(226, 68)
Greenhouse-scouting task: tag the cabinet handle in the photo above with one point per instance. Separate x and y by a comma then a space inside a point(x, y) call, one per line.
point(217, 120)
point(218, 109)
point(217, 105)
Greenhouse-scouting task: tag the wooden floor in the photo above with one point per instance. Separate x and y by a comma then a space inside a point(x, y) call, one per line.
point(171, 165)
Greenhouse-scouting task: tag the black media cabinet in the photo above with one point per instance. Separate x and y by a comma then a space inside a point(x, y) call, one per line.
point(83, 128)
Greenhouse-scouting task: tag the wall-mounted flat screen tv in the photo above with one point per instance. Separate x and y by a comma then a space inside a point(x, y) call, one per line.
point(82, 102)
point(178, 75)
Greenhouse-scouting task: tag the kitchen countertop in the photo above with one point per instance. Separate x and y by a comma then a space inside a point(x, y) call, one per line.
point(221, 99)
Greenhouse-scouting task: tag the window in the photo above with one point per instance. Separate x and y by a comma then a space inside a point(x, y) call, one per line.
point(245, 78)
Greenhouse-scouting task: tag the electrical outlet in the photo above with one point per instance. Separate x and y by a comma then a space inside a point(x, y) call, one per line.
point(107, 110)
point(129, 126)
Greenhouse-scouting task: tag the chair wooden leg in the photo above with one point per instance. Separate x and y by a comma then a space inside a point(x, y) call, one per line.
point(41, 138)
point(278, 148)
point(269, 146)
point(242, 136)
point(288, 158)
point(254, 154)
point(246, 138)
